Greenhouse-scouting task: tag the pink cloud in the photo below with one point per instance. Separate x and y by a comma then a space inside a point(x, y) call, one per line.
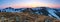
point(54, 5)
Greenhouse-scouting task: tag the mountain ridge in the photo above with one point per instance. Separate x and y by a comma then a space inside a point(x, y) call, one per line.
point(52, 12)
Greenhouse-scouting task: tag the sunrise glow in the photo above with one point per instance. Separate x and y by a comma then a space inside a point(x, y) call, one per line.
point(29, 3)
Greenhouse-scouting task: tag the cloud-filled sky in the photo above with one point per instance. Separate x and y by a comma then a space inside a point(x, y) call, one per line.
point(29, 3)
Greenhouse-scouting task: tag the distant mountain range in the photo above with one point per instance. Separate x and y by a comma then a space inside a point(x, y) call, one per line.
point(52, 12)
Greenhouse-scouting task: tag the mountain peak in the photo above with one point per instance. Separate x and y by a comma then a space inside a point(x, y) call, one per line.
point(9, 8)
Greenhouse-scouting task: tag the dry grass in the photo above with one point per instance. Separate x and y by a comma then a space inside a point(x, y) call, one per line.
point(26, 16)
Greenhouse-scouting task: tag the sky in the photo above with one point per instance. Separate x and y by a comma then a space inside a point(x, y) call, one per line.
point(29, 3)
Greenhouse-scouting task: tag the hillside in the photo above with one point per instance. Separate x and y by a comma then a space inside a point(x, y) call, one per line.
point(52, 12)
point(25, 17)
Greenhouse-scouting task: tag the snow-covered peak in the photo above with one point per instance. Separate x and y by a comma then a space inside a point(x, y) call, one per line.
point(55, 13)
